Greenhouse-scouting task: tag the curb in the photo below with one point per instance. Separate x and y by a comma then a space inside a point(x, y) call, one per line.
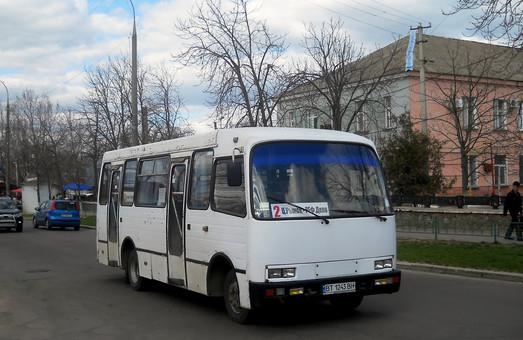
point(476, 273)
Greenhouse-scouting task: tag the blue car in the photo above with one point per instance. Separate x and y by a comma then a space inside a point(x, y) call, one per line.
point(57, 213)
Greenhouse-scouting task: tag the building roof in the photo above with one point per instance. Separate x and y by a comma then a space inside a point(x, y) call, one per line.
point(443, 56)
point(455, 56)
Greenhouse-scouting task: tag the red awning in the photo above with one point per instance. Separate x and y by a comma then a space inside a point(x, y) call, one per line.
point(17, 191)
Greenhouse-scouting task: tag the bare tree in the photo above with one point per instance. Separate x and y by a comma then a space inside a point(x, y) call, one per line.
point(107, 102)
point(239, 58)
point(499, 19)
point(467, 95)
point(165, 104)
point(106, 107)
point(43, 148)
point(339, 79)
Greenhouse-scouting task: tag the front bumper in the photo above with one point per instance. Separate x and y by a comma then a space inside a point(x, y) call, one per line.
point(313, 289)
point(10, 221)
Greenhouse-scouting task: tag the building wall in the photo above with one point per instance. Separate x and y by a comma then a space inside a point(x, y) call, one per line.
point(492, 143)
point(30, 197)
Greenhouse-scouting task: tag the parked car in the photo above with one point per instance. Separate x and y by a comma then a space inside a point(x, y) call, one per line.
point(10, 217)
point(57, 213)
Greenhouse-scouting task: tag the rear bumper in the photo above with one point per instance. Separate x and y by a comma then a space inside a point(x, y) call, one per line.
point(58, 222)
point(313, 289)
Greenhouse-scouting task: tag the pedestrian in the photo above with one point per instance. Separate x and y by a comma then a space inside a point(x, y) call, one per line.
point(513, 206)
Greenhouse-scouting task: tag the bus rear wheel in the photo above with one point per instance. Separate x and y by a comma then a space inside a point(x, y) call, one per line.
point(132, 272)
point(232, 299)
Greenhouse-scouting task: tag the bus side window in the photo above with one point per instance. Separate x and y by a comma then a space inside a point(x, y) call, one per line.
point(229, 197)
point(200, 184)
point(104, 184)
point(152, 179)
point(129, 180)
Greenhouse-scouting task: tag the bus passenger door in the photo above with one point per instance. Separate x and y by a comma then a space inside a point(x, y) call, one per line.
point(114, 222)
point(175, 224)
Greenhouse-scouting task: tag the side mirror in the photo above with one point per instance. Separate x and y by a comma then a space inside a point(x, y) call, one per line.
point(234, 174)
point(37, 208)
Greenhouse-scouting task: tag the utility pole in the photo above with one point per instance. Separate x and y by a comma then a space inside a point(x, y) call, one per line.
point(134, 81)
point(8, 146)
point(423, 91)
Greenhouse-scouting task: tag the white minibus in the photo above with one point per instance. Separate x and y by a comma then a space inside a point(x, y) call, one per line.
point(251, 214)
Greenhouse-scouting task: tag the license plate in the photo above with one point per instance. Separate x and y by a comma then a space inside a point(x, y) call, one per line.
point(67, 215)
point(338, 288)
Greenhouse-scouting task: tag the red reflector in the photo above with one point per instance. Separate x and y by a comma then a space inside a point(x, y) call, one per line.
point(396, 279)
point(269, 292)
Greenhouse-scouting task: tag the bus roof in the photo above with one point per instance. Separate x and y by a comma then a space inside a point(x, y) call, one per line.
point(244, 137)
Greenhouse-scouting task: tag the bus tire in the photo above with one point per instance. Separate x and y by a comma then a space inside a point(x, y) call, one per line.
point(232, 300)
point(132, 272)
point(347, 301)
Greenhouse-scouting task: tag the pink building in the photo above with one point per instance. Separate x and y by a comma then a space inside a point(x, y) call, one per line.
point(473, 97)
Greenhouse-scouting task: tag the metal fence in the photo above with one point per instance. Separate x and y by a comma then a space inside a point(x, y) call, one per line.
point(451, 227)
point(459, 201)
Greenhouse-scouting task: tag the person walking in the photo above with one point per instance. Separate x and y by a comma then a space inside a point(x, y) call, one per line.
point(513, 206)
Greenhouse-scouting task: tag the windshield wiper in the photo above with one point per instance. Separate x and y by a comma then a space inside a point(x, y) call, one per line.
point(301, 208)
point(381, 218)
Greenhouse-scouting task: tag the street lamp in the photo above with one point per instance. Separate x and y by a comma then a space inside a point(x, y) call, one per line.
point(8, 140)
point(134, 81)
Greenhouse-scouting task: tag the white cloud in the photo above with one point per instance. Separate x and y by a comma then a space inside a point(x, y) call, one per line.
point(46, 45)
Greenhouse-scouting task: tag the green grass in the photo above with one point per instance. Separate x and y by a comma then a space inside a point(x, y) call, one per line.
point(88, 220)
point(490, 256)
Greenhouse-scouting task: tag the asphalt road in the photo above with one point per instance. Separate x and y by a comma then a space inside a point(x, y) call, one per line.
point(51, 287)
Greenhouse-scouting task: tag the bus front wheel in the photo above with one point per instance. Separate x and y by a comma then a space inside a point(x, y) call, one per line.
point(232, 299)
point(132, 272)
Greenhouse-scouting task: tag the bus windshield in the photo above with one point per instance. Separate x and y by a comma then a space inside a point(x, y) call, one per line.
point(317, 180)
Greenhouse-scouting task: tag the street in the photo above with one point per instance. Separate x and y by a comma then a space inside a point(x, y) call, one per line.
point(51, 287)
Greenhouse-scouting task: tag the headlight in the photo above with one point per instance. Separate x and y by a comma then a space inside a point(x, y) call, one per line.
point(383, 264)
point(17, 215)
point(281, 273)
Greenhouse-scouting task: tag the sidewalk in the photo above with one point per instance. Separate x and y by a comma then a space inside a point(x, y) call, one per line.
point(477, 273)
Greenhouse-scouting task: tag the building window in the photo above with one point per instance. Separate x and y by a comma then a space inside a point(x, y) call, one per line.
point(361, 118)
point(473, 171)
point(388, 112)
point(500, 113)
point(313, 121)
point(469, 112)
point(500, 170)
point(521, 169)
point(520, 117)
point(290, 119)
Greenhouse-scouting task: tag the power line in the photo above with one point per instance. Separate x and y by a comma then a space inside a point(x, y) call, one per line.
point(352, 18)
point(378, 10)
point(409, 16)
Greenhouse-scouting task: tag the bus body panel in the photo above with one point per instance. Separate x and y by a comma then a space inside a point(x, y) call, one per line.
point(299, 242)
point(345, 249)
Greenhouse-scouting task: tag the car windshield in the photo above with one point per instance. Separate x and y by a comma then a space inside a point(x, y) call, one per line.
point(317, 180)
point(65, 206)
point(7, 204)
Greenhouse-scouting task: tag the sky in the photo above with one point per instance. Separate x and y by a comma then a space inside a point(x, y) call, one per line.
point(46, 45)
